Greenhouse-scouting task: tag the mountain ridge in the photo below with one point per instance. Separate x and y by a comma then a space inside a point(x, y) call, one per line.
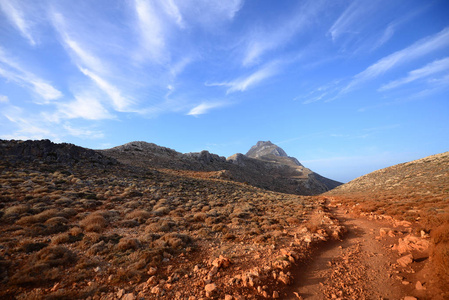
point(265, 165)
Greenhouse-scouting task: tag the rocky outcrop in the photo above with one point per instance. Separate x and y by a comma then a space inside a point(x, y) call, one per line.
point(45, 151)
point(262, 149)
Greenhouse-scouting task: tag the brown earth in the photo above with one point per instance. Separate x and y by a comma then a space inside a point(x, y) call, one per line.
point(75, 224)
point(363, 265)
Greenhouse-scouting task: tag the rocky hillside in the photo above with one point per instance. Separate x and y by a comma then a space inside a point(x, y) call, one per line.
point(420, 179)
point(75, 224)
point(265, 165)
point(415, 192)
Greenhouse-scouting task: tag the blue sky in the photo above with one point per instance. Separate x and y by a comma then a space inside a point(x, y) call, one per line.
point(347, 87)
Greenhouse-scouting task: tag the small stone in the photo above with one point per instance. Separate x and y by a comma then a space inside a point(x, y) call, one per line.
point(156, 290)
point(152, 280)
point(129, 296)
point(120, 293)
point(410, 298)
point(405, 282)
point(228, 297)
point(210, 287)
point(152, 271)
point(419, 286)
point(275, 294)
point(405, 260)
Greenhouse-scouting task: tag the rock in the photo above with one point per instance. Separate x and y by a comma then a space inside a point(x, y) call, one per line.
point(419, 286)
point(156, 290)
point(410, 298)
point(228, 297)
point(405, 260)
point(221, 262)
point(410, 243)
point(211, 287)
point(275, 294)
point(284, 278)
point(152, 280)
point(120, 293)
point(384, 231)
point(129, 296)
point(152, 271)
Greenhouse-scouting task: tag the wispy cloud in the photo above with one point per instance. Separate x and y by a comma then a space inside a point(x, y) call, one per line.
point(428, 70)
point(323, 92)
point(416, 50)
point(151, 30)
point(120, 102)
point(355, 13)
point(241, 84)
point(4, 99)
point(14, 13)
point(264, 40)
point(78, 52)
point(26, 126)
point(204, 108)
point(13, 71)
point(85, 106)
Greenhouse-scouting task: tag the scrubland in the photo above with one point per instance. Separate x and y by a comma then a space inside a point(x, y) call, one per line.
point(117, 232)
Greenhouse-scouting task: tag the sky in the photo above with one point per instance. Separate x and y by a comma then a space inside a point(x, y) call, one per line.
point(346, 87)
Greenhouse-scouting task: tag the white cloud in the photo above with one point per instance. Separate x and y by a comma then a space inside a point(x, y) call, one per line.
point(16, 73)
point(120, 103)
point(204, 108)
point(151, 30)
point(172, 10)
point(14, 14)
point(80, 54)
point(209, 13)
point(418, 49)
point(428, 70)
point(83, 132)
point(28, 127)
point(355, 13)
point(4, 99)
point(272, 37)
point(84, 106)
point(243, 83)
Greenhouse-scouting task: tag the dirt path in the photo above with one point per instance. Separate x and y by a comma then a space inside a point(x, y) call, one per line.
point(358, 267)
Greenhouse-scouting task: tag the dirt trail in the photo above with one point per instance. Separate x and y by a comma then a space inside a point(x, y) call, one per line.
point(358, 267)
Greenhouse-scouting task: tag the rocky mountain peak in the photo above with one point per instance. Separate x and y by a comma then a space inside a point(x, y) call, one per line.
point(264, 148)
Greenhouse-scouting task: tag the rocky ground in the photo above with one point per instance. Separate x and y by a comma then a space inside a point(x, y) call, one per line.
point(84, 226)
point(76, 224)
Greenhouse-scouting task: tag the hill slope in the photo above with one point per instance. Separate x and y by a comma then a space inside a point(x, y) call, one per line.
point(265, 165)
point(417, 192)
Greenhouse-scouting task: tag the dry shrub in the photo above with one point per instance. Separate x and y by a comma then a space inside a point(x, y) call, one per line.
point(29, 246)
point(43, 266)
point(140, 214)
point(293, 221)
point(16, 210)
point(160, 211)
point(128, 244)
point(199, 217)
point(94, 223)
point(220, 228)
point(176, 240)
point(164, 225)
point(38, 218)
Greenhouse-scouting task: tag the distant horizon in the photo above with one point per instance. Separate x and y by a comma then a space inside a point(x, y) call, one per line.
point(346, 87)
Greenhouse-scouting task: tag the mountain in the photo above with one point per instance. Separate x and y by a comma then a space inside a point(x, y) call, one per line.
point(265, 165)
